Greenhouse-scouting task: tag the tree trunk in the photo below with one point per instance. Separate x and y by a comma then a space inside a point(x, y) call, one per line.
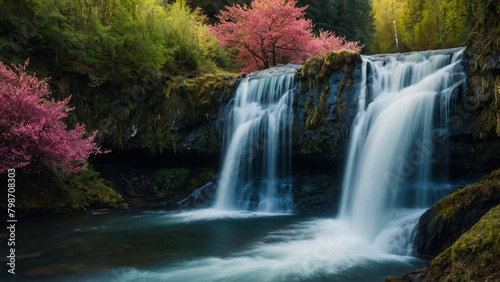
point(395, 30)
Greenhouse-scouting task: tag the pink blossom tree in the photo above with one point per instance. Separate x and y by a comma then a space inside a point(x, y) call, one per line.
point(32, 130)
point(271, 32)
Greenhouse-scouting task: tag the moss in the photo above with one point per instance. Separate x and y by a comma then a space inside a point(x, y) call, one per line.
point(171, 176)
point(341, 85)
point(48, 191)
point(201, 178)
point(309, 107)
point(342, 60)
point(186, 103)
point(311, 66)
point(475, 256)
point(315, 120)
point(315, 75)
point(466, 198)
point(180, 181)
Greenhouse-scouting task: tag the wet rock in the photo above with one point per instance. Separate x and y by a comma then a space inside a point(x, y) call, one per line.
point(414, 276)
point(484, 79)
point(315, 193)
point(475, 256)
point(325, 106)
point(203, 197)
point(440, 226)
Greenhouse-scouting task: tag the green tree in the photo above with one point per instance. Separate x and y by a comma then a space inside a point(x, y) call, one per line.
point(352, 19)
point(423, 24)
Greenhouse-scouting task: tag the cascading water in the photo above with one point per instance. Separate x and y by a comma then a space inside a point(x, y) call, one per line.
point(256, 170)
point(403, 107)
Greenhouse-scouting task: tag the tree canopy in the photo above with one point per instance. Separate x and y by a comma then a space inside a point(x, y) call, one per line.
point(32, 130)
point(422, 24)
point(271, 32)
point(137, 39)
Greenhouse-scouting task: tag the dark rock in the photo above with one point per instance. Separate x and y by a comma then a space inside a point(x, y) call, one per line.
point(484, 78)
point(414, 276)
point(440, 226)
point(203, 197)
point(325, 107)
point(475, 256)
point(316, 193)
point(154, 185)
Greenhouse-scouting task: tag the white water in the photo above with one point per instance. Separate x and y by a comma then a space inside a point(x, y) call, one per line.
point(311, 250)
point(256, 169)
point(401, 122)
point(403, 107)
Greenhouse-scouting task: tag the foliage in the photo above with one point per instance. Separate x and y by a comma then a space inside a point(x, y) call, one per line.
point(114, 40)
point(32, 128)
point(352, 19)
point(270, 32)
point(422, 24)
point(213, 7)
point(48, 191)
point(475, 256)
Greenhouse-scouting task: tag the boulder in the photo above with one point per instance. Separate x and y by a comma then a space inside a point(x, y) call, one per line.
point(441, 225)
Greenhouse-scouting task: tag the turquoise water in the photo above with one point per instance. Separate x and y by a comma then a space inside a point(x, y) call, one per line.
point(204, 245)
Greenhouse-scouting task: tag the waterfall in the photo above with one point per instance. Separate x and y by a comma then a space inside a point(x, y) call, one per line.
point(256, 172)
point(398, 133)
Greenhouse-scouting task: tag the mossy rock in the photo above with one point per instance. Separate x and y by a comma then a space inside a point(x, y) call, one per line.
point(187, 105)
point(49, 191)
point(444, 222)
point(475, 256)
point(323, 66)
point(315, 76)
point(179, 181)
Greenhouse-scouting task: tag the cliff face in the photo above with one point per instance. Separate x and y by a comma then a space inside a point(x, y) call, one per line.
point(326, 105)
point(476, 144)
point(483, 51)
point(440, 226)
point(462, 228)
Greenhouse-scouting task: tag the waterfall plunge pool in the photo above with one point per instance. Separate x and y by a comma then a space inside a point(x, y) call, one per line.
point(410, 97)
point(203, 245)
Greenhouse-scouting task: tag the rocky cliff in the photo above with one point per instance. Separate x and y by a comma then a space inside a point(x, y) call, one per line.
point(440, 226)
point(326, 105)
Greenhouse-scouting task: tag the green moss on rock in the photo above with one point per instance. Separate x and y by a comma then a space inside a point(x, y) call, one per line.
point(315, 119)
point(343, 60)
point(186, 105)
point(315, 74)
point(475, 256)
point(49, 191)
point(466, 198)
point(453, 215)
point(180, 181)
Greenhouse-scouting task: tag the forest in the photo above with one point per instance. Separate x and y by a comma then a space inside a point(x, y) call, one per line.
point(160, 139)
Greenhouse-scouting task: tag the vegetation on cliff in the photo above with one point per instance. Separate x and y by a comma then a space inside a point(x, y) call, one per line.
point(453, 215)
point(325, 105)
point(131, 67)
point(50, 191)
point(475, 256)
point(315, 76)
